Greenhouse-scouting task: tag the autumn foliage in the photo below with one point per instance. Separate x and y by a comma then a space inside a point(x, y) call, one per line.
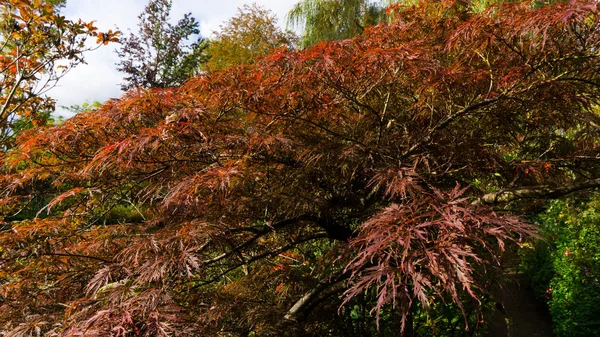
point(38, 46)
point(273, 198)
point(252, 33)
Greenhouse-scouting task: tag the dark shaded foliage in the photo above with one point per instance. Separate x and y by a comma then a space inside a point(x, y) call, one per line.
point(249, 201)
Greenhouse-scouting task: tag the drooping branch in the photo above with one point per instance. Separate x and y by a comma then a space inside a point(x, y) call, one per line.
point(537, 192)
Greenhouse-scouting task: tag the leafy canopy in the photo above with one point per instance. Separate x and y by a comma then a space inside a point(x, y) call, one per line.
point(159, 55)
point(37, 47)
point(368, 173)
point(252, 33)
point(323, 20)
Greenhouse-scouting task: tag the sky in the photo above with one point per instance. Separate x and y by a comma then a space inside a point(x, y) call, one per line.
point(99, 80)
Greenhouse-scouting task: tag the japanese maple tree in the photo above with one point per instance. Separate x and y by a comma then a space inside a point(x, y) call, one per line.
point(312, 193)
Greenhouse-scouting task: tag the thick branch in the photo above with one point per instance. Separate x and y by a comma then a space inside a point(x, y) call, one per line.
point(537, 192)
point(3, 114)
point(303, 303)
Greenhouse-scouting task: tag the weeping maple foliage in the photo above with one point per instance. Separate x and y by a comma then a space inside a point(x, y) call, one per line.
point(266, 199)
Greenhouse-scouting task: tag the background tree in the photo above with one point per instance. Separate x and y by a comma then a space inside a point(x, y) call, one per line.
point(322, 20)
point(252, 33)
point(384, 174)
point(159, 56)
point(85, 106)
point(325, 20)
point(37, 48)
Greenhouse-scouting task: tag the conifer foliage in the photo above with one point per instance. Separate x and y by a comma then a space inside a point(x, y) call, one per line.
point(277, 197)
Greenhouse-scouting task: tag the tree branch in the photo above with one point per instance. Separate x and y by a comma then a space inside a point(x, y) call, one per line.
point(304, 302)
point(80, 256)
point(537, 192)
point(255, 258)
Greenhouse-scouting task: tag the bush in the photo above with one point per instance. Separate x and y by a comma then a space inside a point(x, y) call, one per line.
point(565, 266)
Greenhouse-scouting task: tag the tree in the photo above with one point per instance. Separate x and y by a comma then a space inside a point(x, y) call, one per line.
point(383, 174)
point(252, 33)
point(37, 47)
point(85, 106)
point(322, 20)
point(159, 56)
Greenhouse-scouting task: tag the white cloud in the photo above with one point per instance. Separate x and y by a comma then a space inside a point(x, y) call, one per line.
point(99, 79)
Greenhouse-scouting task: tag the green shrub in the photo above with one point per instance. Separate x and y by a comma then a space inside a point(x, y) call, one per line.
point(565, 266)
